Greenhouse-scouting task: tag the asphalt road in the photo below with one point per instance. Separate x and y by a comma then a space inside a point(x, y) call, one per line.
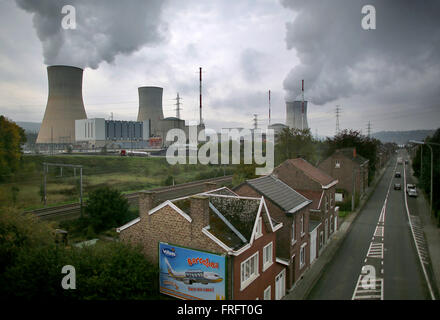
point(379, 239)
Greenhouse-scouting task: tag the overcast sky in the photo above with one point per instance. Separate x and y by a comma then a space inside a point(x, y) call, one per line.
point(389, 76)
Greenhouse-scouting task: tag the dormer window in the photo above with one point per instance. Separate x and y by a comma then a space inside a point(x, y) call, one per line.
point(259, 231)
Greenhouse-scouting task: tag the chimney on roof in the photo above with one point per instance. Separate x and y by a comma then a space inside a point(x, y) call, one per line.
point(199, 211)
point(146, 202)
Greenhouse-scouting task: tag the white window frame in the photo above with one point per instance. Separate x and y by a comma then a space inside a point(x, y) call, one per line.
point(252, 276)
point(268, 292)
point(259, 231)
point(267, 261)
point(302, 256)
point(302, 226)
point(293, 232)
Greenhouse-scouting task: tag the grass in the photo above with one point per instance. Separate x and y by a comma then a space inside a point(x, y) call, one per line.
point(126, 174)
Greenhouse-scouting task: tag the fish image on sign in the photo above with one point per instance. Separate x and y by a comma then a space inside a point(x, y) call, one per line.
point(191, 274)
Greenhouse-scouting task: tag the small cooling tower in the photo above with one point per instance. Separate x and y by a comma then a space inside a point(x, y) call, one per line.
point(64, 105)
point(150, 106)
point(296, 117)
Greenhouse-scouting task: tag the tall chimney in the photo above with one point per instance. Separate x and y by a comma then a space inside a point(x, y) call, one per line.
point(199, 208)
point(64, 105)
point(146, 203)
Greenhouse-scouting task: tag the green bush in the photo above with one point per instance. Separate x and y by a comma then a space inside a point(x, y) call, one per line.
point(106, 208)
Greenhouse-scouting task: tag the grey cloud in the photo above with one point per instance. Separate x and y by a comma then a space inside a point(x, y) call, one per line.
point(104, 30)
point(251, 62)
point(339, 59)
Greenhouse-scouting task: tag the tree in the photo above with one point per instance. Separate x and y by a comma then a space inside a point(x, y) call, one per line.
point(106, 208)
point(12, 137)
point(294, 143)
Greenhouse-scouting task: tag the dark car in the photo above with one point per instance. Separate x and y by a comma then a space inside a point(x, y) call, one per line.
point(397, 186)
point(397, 175)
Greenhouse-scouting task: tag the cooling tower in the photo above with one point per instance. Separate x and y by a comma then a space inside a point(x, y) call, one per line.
point(64, 105)
point(295, 117)
point(150, 106)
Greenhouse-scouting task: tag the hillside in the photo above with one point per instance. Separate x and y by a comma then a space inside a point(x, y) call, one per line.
point(402, 137)
point(29, 126)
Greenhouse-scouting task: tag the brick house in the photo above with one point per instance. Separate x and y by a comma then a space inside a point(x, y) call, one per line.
point(291, 209)
point(347, 166)
point(318, 186)
point(222, 223)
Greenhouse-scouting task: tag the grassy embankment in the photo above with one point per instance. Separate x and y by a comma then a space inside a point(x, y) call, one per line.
point(127, 174)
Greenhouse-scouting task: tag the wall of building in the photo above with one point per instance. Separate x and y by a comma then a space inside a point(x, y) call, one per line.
point(283, 236)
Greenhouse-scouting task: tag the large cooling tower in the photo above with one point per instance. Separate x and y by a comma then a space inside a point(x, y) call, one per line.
point(150, 106)
point(64, 105)
point(295, 117)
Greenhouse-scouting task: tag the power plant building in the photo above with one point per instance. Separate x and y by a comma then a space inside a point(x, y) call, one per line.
point(64, 105)
point(98, 133)
point(296, 115)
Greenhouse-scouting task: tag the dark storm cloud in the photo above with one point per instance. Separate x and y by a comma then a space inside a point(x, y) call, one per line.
point(338, 59)
point(104, 29)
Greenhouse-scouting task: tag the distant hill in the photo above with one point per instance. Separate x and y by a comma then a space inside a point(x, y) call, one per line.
point(29, 126)
point(402, 137)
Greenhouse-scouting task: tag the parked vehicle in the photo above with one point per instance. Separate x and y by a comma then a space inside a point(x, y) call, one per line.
point(411, 190)
point(397, 186)
point(397, 174)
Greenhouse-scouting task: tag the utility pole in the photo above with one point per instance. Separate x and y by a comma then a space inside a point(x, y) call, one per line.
point(302, 110)
point(269, 107)
point(200, 109)
point(255, 121)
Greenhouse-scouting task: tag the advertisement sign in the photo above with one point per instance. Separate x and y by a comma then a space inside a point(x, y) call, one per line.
point(191, 274)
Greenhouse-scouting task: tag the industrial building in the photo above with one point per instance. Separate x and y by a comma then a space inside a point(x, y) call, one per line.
point(64, 106)
point(98, 133)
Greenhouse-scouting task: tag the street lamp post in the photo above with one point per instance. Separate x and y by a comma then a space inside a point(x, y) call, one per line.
point(432, 166)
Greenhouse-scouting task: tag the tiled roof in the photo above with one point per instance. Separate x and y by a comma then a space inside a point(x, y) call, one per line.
point(315, 196)
point(349, 153)
point(279, 193)
point(311, 171)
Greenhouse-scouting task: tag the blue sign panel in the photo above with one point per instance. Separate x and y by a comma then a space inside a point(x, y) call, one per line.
point(191, 274)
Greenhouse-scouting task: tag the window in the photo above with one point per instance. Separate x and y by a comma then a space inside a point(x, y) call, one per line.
point(267, 293)
point(267, 256)
point(337, 164)
point(249, 270)
point(259, 231)
point(302, 224)
point(332, 195)
point(326, 204)
point(302, 256)
point(321, 239)
point(293, 232)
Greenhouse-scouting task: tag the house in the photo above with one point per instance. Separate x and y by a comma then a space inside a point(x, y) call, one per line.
point(291, 209)
point(351, 170)
point(316, 185)
point(234, 235)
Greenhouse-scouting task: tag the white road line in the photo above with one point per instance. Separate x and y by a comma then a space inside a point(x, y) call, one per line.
point(412, 231)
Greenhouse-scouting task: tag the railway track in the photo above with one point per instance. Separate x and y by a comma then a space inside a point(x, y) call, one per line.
point(162, 194)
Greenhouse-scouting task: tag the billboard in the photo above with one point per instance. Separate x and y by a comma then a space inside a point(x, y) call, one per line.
point(191, 274)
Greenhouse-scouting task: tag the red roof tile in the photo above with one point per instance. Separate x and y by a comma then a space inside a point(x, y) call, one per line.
point(314, 173)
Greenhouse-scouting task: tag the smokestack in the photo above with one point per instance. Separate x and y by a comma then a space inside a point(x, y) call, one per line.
point(269, 107)
point(64, 105)
point(150, 106)
point(201, 119)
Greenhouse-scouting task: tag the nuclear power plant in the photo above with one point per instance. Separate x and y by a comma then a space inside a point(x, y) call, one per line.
point(65, 120)
point(64, 105)
point(296, 115)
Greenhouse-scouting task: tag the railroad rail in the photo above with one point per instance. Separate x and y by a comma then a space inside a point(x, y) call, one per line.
point(162, 194)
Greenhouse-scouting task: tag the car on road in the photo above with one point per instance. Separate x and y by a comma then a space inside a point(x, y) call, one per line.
point(397, 186)
point(397, 174)
point(411, 190)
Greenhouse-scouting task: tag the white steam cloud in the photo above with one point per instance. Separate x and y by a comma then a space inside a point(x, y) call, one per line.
point(339, 59)
point(104, 29)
